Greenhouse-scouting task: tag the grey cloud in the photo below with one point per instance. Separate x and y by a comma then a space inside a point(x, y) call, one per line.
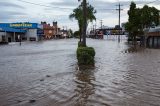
point(6, 15)
point(8, 4)
point(100, 6)
point(110, 7)
point(65, 3)
point(10, 10)
point(11, 13)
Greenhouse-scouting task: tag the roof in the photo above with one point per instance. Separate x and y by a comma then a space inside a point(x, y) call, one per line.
point(7, 29)
point(156, 29)
point(63, 30)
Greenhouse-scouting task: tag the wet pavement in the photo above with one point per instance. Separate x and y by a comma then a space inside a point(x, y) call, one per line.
point(46, 74)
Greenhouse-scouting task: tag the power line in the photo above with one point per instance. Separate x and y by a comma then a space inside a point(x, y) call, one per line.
point(44, 5)
point(151, 2)
point(106, 9)
point(38, 4)
point(129, 4)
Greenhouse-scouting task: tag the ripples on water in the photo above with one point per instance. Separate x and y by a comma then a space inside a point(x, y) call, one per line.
point(46, 74)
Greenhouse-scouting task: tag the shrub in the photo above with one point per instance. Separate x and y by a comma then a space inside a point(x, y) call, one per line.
point(85, 55)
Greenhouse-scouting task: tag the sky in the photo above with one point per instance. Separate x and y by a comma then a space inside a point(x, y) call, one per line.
point(59, 10)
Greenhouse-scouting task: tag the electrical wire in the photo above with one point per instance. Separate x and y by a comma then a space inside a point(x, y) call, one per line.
point(38, 4)
point(137, 4)
point(151, 2)
point(44, 5)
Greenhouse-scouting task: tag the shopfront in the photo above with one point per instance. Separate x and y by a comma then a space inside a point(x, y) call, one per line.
point(9, 32)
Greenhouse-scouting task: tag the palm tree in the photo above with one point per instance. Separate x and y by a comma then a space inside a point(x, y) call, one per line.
point(78, 14)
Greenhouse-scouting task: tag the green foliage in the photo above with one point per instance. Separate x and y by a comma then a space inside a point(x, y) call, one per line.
point(140, 18)
point(78, 15)
point(70, 32)
point(76, 34)
point(149, 16)
point(85, 55)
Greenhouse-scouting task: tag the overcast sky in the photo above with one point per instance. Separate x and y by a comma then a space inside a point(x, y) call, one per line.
point(59, 10)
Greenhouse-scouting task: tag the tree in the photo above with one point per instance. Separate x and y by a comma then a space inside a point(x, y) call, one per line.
point(133, 21)
point(70, 33)
point(76, 34)
point(140, 18)
point(78, 15)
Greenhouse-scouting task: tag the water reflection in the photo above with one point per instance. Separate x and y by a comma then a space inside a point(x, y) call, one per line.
point(118, 79)
point(134, 49)
point(85, 87)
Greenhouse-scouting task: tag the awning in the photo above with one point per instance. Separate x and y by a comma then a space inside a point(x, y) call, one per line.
point(7, 29)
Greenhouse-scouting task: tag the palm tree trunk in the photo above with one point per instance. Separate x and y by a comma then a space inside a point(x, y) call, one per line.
point(84, 22)
point(80, 36)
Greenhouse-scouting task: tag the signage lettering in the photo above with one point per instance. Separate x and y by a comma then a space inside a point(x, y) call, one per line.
point(21, 25)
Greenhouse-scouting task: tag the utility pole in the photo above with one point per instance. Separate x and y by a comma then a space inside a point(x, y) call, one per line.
point(119, 10)
point(101, 22)
point(91, 29)
point(95, 28)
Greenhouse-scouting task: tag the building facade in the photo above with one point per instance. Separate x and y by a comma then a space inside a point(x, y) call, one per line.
point(50, 31)
point(153, 37)
point(13, 32)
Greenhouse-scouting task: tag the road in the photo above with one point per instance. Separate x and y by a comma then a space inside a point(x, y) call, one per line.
point(46, 74)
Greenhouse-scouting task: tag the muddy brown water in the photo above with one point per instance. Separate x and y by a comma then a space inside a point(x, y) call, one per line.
point(46, 74)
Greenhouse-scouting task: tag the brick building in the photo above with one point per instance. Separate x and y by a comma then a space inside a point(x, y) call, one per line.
point(50, 31)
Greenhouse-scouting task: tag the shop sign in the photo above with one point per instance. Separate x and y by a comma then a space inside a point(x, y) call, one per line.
point(19, 25)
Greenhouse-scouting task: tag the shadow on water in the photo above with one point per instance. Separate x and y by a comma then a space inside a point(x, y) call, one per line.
point(84, 88)
point(48, 75)
point(134, 49)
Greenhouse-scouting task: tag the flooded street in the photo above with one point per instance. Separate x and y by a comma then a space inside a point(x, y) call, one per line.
point(46, 74)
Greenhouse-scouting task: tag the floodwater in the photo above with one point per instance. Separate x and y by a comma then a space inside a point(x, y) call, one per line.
point(46, 74)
